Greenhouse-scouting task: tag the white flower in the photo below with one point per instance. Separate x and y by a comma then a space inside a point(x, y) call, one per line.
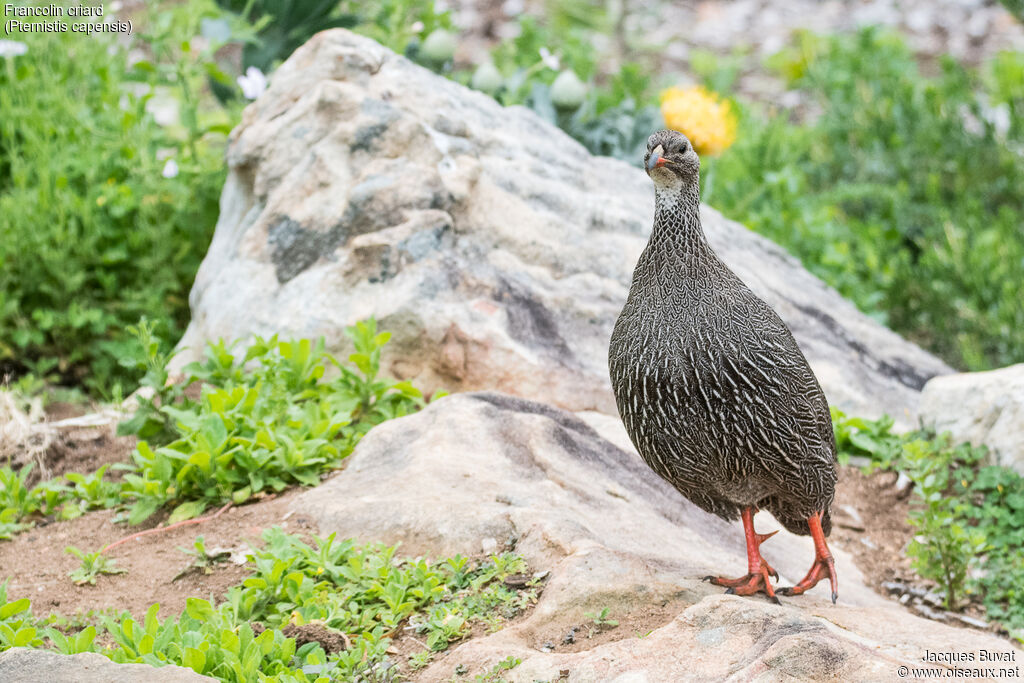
point(416, 27)
point(170, 169)
point(12, 48)
point(550, 60)
point(253, 83)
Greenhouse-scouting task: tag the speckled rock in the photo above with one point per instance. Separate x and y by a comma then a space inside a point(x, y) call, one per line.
point(482, 472)
point(983, 408)
point(494, 247)
point(23, 665)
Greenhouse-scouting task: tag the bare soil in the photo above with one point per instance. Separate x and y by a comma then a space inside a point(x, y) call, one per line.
point(877, 533)
point(38, 565)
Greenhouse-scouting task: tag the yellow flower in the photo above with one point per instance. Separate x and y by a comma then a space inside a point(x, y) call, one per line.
point(700, 115)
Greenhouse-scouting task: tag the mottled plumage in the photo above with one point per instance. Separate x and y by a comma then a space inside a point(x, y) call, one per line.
point(711, 386)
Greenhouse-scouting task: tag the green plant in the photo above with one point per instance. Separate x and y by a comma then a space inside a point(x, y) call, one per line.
point(421, 659)
point(873, 439)
point(104, 211)
point(202, 559)
point(17, 627)
point(600, 619)
point(267, 420)
point(148, 422)
point(365, 591)
point(494, 674)
point(92, 565)
point(16, 499)
point(944, 545)
point(968, 516)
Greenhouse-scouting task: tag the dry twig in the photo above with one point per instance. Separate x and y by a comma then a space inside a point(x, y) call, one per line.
point(198, 520)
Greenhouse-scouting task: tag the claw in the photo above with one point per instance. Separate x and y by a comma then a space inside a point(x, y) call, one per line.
point(824, 565)
point(758, 571)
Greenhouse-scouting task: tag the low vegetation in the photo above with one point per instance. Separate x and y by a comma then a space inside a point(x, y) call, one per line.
point(345, 602)
point(968, 516)
point(263, 421)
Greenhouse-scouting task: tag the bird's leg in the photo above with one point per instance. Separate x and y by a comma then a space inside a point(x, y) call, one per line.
point(823, 565)
point(758, 571)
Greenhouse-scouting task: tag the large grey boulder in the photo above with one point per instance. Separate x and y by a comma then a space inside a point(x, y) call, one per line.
point(494, 247)
point(24, 665)
point(985, 408)
point(483, 472)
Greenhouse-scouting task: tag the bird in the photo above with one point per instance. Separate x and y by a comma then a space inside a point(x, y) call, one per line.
point(712, 388)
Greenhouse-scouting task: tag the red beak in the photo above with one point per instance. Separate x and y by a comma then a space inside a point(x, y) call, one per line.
point(656, 161)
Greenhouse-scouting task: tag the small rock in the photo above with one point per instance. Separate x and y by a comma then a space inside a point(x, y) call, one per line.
point(927, 611)
point(970, 621)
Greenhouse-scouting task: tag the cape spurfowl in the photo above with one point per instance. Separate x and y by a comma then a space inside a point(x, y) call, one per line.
point(712, 388)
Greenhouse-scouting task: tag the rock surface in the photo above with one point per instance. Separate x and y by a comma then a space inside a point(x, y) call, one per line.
point(478, 472)
point(983, 408)
point(492, 246)
point(23, 665)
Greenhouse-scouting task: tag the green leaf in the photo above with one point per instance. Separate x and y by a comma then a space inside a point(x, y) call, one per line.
point(16, 607)
point(187, 510)
point(199, 609)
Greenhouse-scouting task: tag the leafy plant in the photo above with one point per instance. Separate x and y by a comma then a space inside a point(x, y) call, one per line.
point(202, 559)
point(945, 544)
point(600, 619)
point(17, 627)
point(364, 591)
point(97, 227)
point(968, 516)
point(873, 439)
point(265, 421)
point(92, 566)
point(494, 674)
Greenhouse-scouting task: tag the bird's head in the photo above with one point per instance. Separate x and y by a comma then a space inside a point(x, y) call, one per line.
point(670, 160)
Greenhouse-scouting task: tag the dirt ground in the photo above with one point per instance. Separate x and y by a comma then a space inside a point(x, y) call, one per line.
point(38, 565)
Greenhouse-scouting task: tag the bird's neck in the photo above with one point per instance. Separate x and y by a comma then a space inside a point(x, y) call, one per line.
point(677, 234)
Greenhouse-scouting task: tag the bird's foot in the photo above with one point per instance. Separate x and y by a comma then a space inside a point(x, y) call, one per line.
point(823, 567)
point(754, 582)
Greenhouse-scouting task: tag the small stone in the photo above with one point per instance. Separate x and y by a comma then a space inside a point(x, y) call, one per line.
point(971, 621)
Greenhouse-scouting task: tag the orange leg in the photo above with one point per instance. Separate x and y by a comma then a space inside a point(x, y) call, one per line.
point(823, 565)
point(758, 571)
